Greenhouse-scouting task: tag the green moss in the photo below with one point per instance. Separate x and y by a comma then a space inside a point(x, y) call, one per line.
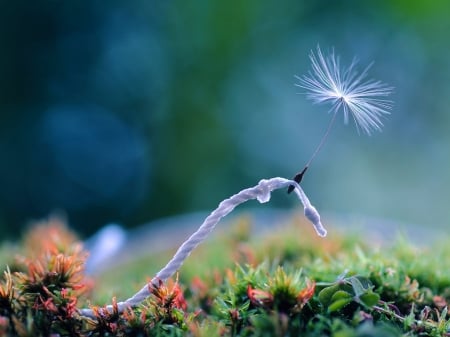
point(239, 283)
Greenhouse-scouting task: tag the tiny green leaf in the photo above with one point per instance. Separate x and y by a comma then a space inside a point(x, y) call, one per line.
point(369, 299)
point(358, 286)
point(341, 294)
point(326, 294)
point(339, 300)
point(339, 304)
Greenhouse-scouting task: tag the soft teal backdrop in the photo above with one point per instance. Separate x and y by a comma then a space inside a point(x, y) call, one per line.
point(131, 111)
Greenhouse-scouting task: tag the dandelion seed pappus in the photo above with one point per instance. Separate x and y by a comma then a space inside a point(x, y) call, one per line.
point(347, 91)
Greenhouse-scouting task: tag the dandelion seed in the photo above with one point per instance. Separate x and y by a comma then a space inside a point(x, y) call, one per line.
point(347, 90)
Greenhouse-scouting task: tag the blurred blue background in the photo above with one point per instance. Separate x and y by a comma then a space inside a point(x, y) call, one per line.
point(131, 111)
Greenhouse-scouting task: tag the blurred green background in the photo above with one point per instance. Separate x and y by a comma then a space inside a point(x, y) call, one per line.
point(131, 111)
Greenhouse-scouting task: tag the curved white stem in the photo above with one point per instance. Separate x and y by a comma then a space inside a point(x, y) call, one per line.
point(261, 192)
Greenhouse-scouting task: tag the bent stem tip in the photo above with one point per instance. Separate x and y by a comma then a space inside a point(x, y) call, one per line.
point(261, 192)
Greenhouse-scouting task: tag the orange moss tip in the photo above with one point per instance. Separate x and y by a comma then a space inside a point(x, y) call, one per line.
point(47, 305)
point(170, 295)
point(306, 293)
point(199, 287)
point(440, 302)
point(53, 257)
point(106, 320)
point(259, 298)
point(104, 314)
point(51, 236)
point(245, 254)
point(265, 299)
point(6, 287)
point(230, 276)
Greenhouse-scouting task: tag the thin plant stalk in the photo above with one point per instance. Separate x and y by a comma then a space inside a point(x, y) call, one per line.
point(260, 192)
point(299, 176)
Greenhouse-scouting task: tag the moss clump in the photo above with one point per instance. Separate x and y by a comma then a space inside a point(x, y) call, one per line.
point(41, 288)
point(286, 284)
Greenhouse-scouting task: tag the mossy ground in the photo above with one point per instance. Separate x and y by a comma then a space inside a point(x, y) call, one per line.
point(238, 283)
